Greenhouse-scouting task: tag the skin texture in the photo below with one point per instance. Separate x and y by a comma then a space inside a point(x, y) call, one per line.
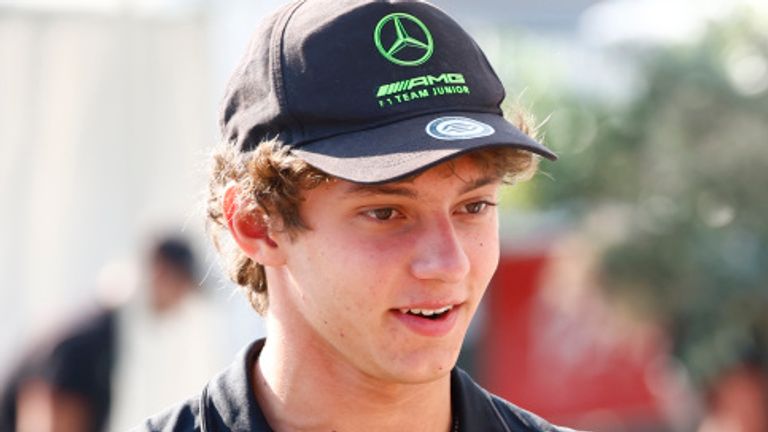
point(339, 354)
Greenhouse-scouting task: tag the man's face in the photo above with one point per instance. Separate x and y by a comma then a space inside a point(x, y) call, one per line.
point(387, 278)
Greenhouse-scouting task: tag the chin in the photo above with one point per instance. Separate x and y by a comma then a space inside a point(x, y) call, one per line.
point(426, 368)
point(426, 376)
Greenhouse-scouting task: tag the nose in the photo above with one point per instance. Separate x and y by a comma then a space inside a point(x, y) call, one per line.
point(440, 254)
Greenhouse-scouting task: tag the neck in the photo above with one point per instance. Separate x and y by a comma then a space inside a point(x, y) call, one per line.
point(301, 387)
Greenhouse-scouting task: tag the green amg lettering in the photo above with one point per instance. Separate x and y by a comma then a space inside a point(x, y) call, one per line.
point(419, 81)
point(446, 78)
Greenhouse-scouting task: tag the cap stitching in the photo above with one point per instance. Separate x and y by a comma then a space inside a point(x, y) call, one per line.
point(276, 63)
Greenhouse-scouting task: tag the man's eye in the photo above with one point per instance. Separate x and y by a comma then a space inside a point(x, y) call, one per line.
point(382, 214)
point(477, 207)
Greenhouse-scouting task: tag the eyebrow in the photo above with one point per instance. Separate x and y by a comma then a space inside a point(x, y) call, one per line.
point(395, 190)
point(478, 183)
point(365, 190)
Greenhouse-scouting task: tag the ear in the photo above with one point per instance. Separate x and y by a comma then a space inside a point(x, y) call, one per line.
point(250, 230)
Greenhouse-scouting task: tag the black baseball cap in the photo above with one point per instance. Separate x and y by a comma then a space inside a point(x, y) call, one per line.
point(367, 91)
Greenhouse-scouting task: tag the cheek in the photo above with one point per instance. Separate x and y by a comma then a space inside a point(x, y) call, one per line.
point(350, 269)
point(482, 249)
point(372, 255)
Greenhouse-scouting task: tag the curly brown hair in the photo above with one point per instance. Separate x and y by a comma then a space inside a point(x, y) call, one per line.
point(271, 180)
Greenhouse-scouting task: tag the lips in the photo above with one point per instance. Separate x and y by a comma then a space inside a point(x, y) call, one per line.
point(431, 321)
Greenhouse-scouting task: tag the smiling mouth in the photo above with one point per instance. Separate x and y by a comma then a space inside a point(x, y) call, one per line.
point(432, 314)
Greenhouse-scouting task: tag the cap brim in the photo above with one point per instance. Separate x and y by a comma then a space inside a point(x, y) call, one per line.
point(394, 151)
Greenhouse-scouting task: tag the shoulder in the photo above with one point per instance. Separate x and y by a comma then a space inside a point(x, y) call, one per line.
point(184, 417)
point(481, 410)
point(514, 415)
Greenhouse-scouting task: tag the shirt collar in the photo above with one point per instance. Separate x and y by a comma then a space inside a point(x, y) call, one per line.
point(228, 402)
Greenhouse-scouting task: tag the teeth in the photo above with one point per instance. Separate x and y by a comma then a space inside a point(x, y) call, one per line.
point(427, 312)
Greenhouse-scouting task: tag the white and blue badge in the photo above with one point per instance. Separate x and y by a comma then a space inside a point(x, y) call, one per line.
point(458, 128)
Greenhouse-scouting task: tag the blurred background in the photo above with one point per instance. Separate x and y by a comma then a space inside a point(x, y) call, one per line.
point(632, 293)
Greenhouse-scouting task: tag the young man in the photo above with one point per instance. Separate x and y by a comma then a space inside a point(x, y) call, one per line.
point(364, 151)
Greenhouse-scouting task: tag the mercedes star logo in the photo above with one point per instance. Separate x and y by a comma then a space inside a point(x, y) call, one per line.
point(408, 48)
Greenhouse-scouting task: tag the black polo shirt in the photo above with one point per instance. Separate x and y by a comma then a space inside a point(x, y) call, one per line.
point(227, 404)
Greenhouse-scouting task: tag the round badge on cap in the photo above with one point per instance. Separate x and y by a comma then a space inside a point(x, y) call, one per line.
point(457, 128)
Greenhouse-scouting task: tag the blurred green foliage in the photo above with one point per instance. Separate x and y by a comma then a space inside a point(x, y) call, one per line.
point(686, 159)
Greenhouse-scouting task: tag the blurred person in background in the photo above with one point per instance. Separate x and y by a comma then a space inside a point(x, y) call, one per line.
point(118, 362)
point(364, 151)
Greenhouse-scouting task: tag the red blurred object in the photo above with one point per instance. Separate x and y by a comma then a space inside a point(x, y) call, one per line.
point(560, 365)
point(738, 401)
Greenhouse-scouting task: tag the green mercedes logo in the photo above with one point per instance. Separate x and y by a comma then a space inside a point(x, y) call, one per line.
point(403, 39)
